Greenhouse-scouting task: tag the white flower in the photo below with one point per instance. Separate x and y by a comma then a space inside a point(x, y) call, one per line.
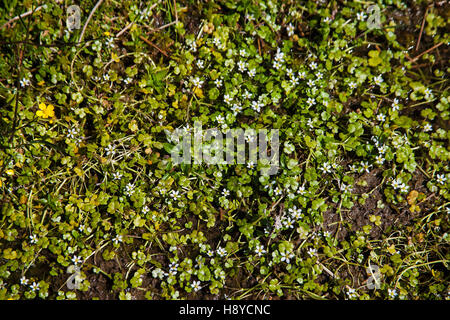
point(250, 165)
point(173, 266)
point(34, 286)
point(278, 191)
point(236, 109)
point(301, 190)
point(72, 133)
point(302, 75)
point(242, 66)
point(225, 192)
point(110, 150)
point(24, 82)
point(428, 94)
point(404, 188)
point(117, 175)
point(294, 81)
point(246, 95)
point(216, 42)
point(326, 167)
point(106, 77)
point(286, 256)
point(110, 42)
point(379, 160)
point(310, 101)
point(242, 52)
point(76, 259)
point(395, 106)
point(382, 149)
point(218, 83)
point(365, 167)
point(227, 99)
point(220, 119)
point(352, 85)
point(427, 127)
point(313, 65)
point(381, 117)
point(197, 82)
point(289, 72)
point(279, 56)
point(319, 75)
point(346, 188)
point(276, 65)
point(251, 73)
point(23, 281)
point(288, 223)
point(396, 183)
point(128, 80)
point(118, 238)
point(378, 80)
point(196, 285)
point(129, 189)
point(351, 293)
point(221, 252)
point(175, 194)
point(296, 213)
point(200, 64)
point(392, 293)
point(360, 16)
point(327, 20)
point(33, 239)
point(256, 106)
point(260, 250)
point(440, 178)
point(312, 252)
point(290, 30)
point(310, 83)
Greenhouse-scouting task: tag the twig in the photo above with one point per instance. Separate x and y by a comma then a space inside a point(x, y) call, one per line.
point(99, 2)
point(21, 16)
point(160, 28)
point(432, 48)
point(132, 22)
point(175, 8)
point(124, 29)
point(421, 29)
point(153, 45)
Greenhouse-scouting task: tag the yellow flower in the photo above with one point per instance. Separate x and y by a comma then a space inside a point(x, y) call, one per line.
point(45, 111)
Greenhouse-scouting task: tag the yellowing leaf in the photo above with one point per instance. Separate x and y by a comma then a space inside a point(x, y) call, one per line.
point(138, 221)
point(199, 92)
point(115, 57)
point(23, 199)
point(133, 126)
point(78, 171)
point(391, 249)
point(412, 197)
